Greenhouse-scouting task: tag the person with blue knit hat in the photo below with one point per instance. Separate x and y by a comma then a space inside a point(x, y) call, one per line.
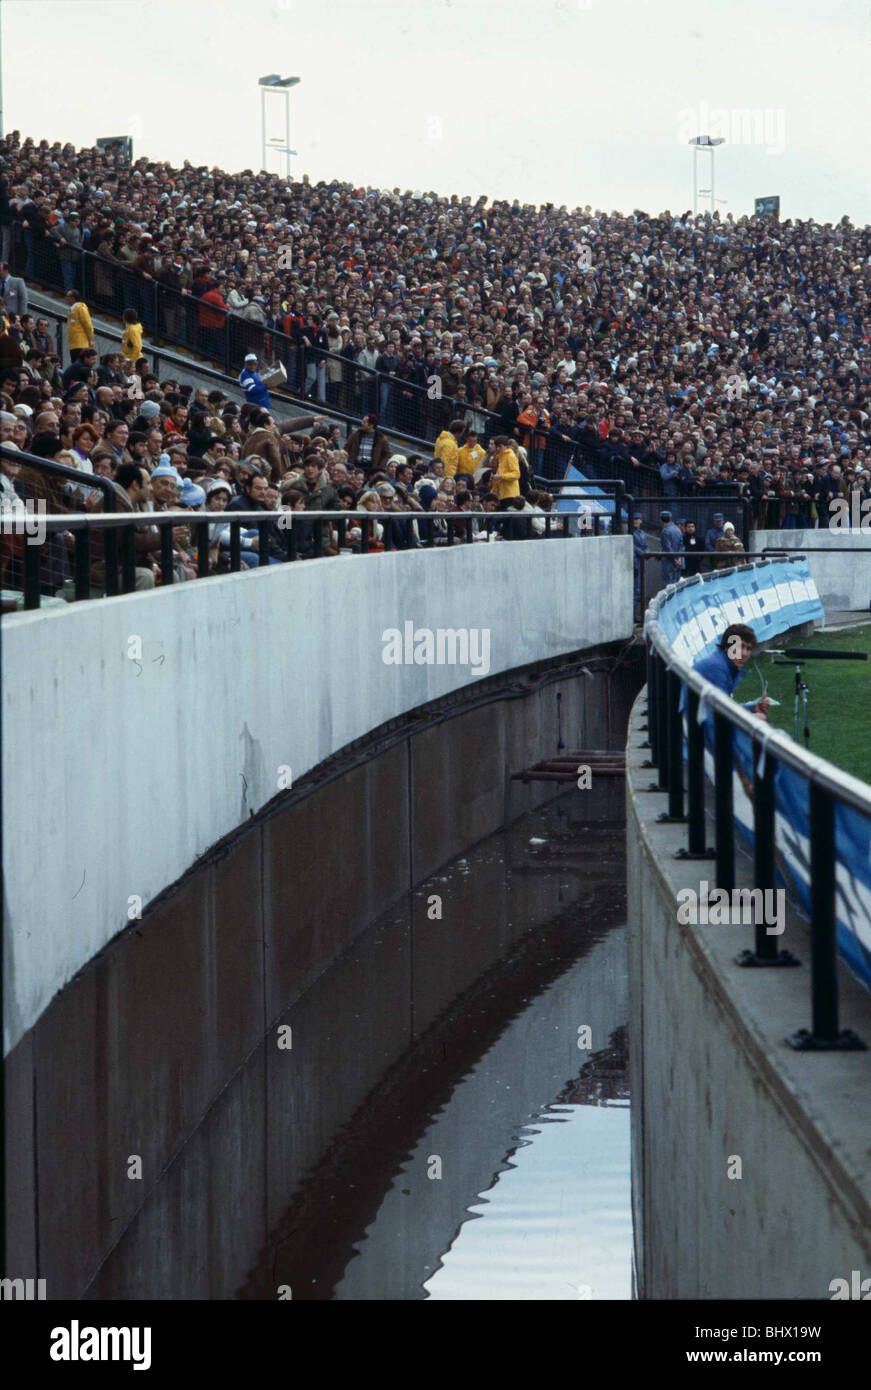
point(192, 497)
point(166, 484)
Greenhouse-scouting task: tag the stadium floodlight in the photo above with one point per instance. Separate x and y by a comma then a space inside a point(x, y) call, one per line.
point(273, 80)
point(706, 144)
point(276, 85)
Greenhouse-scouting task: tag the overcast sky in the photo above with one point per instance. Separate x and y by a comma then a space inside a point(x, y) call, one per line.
point(568, 101)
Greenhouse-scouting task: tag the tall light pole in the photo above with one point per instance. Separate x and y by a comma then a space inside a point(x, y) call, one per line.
point(278, 86)
point(708, 144)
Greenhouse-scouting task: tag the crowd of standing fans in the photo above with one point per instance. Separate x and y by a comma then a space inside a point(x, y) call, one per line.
point(709, 351)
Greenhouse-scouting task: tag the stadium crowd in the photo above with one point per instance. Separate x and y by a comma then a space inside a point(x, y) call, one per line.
point(165, 445)
point(712, 350)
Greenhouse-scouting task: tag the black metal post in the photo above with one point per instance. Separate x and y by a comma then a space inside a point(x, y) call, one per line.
point(167, 574)
point(763, 846)
point(662, 720)
point(319, 538)
point(652, 711)
point(110, 544)
point(82, 564)
point(821, 814)
point(32, 554)
point(155, 336)
point(262, 543)
point(202, 534)
point(824, 1034)
point(619, 498)
point(675, 747)
point(725, 828)
point(765, 950)
point(128, 560)
point(696, 848)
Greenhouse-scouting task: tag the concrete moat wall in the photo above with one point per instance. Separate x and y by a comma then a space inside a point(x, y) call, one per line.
point(164, 1048)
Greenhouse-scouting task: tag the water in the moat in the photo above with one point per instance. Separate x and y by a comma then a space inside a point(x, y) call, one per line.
point(493, 1160)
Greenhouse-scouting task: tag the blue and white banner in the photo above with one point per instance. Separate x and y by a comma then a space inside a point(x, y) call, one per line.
point(595, 500)
point(770, 598)
point(773, 598)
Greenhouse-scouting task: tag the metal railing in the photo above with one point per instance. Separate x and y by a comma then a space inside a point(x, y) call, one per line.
point(215, 542)
point(668, 678)
point(411, 408)
point(704, 563)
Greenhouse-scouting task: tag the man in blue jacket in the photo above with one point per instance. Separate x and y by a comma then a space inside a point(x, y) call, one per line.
point(724, 668)
point(249, 379)
point(714, 531)
point(671, 540)
point(639, 541)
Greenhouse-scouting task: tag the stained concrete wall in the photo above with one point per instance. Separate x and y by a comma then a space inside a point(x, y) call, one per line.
point(843, 579)
point(140, 730)
point(164, 1045)
point(713, 1078)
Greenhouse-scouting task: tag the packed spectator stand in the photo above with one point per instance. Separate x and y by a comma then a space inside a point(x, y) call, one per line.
point(505, 345)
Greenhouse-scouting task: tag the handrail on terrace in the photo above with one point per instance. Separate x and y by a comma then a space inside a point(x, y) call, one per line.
point(303, 535)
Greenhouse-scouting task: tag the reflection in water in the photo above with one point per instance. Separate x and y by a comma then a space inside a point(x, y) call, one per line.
point(556, 1224)
point(555, 1220)
point(493, 1159)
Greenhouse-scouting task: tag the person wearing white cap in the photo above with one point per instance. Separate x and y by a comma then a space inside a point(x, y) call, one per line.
point(249, 379)
point(218, 494)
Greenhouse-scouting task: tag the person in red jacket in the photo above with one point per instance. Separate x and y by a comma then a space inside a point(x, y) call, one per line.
point(211, 317)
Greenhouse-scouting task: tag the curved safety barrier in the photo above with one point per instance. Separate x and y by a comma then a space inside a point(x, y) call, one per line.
point(807, 822)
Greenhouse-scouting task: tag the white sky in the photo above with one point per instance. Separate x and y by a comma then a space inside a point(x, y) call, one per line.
point(569, 101)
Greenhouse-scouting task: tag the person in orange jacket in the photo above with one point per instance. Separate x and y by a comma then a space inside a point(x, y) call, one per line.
point(212, 316)
point(534, 419)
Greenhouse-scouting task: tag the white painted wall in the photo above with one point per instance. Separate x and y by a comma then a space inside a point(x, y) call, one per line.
point(118, 774)
point(843, 580)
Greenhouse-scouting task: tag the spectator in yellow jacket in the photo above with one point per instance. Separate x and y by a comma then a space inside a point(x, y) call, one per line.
point(446, 446)
point(505, 481)
point(469, 457)
point(131, 343)
point(80, 330)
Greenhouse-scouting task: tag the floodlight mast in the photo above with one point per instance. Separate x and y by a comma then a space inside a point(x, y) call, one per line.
point(708, 144)
point(279, 87)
